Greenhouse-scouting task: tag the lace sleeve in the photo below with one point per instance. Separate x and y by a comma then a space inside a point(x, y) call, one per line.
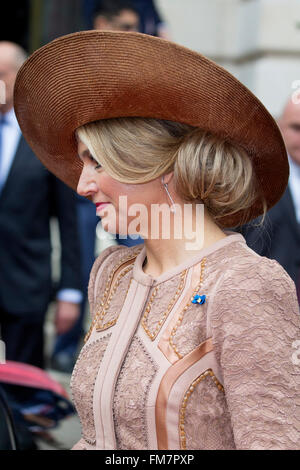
point(254, 323)
point(98, 265)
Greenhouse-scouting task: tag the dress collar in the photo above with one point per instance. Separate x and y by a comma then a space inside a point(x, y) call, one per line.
point(147, 280)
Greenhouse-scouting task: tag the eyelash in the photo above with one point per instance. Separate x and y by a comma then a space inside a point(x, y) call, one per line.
point(95, 161)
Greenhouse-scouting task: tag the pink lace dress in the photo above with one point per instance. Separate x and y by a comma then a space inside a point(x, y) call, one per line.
point(161, 372)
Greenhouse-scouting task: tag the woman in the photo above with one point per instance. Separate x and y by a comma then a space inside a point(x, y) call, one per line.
point(191, 339)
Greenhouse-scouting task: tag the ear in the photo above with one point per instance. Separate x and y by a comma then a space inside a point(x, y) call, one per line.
point(168, 177)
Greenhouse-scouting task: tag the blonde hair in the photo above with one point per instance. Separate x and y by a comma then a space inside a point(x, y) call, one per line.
point(207, 169)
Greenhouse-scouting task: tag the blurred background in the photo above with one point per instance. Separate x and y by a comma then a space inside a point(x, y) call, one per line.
point(258, 41)
point(253, 39)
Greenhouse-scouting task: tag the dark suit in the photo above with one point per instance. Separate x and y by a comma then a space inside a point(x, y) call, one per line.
point(279, 238)
point(29, 197)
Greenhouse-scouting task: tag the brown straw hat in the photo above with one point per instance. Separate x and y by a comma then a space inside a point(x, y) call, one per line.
point(92, 75)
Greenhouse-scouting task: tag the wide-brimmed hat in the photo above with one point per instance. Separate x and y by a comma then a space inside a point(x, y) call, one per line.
point(92, 75)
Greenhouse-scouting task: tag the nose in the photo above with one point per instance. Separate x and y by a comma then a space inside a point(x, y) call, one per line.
point(87, 185)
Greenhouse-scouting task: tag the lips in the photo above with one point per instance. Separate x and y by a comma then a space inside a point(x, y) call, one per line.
point(101, 205)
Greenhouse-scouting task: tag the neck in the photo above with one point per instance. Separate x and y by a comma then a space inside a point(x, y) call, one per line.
point(165, 254)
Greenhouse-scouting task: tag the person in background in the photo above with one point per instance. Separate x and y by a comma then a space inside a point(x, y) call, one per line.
point(124, 15)
point(29, 197)
point(151, 21)
point(279, 238)
point(116, 15)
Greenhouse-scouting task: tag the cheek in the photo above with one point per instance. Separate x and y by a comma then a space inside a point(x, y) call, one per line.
point(114, 189)
point(145, 194)
point(107, 185)
point(148, 194)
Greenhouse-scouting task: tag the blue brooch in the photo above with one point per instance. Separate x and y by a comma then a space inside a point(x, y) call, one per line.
point(198, 299)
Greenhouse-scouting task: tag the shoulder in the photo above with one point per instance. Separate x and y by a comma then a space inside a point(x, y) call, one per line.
point(254, 289)
point(106, 264)
point(246, 266)
point(237, 261)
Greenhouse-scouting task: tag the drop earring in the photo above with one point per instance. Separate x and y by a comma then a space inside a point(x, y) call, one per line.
point(172, 207)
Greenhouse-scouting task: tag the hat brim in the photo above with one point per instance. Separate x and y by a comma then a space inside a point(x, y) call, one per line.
point(92, 75)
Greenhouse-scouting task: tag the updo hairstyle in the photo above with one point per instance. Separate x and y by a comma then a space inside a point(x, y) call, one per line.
point(207, 169)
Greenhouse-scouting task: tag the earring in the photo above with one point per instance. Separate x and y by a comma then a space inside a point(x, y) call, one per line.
point(172, 207)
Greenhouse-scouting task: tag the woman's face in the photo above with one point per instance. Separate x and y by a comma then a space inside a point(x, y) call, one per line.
point(121, 206)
